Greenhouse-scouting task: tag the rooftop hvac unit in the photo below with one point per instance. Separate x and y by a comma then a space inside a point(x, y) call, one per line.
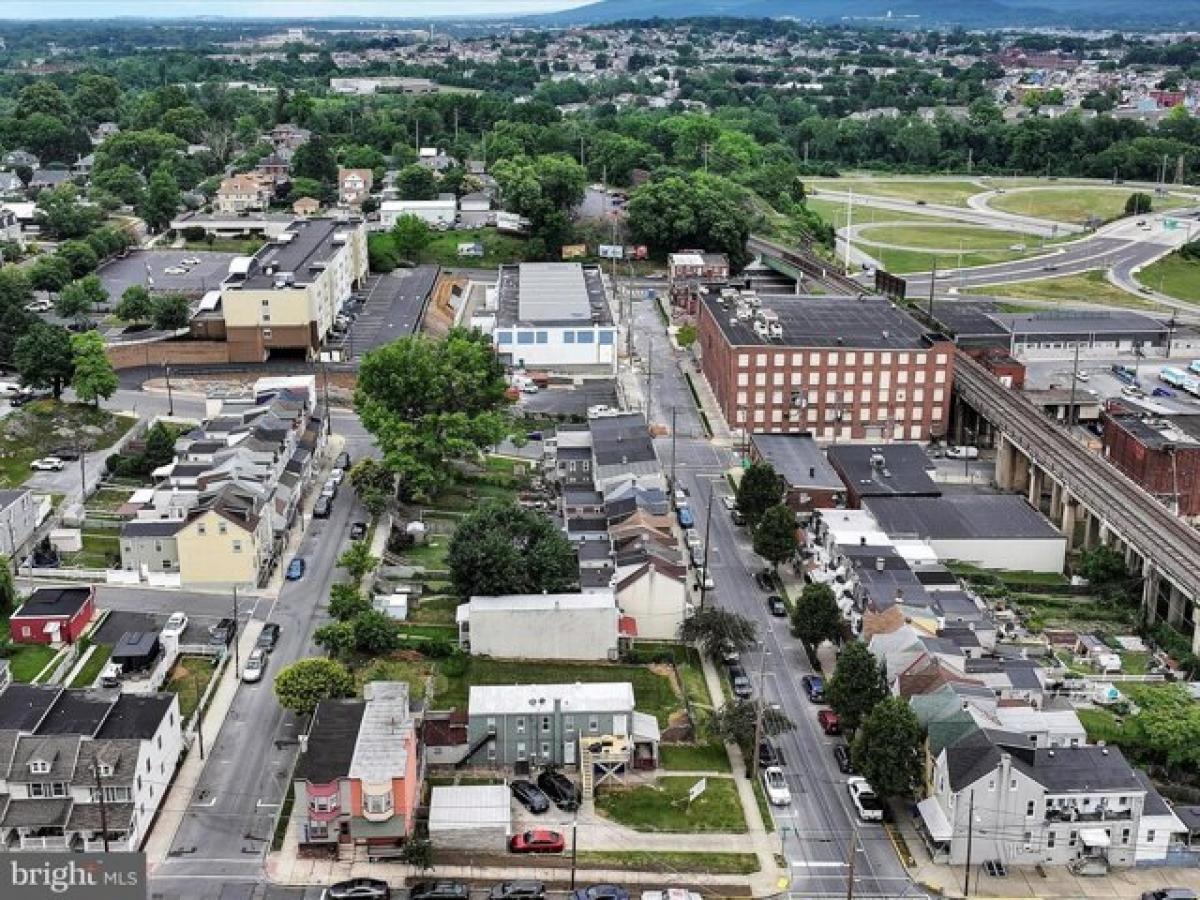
point(340, 237)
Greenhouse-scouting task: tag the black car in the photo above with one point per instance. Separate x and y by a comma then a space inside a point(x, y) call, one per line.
point(342, 462)
point(358, 531)
point(841, 755)
point(517, 890)
point(222, 633)
point(70, 454)
point(372, 888)
point(769, 754)
point(322, 507)
point(268, 637)
point(530, 796)
point(814, 687)
point(561, 789)
point(601, 892)
point(737, 517)
point(765, 581)
point(776, 606)
point(439, 890)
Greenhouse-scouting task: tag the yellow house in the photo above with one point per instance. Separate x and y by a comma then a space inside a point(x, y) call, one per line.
point(287, 296)
point(221, 546)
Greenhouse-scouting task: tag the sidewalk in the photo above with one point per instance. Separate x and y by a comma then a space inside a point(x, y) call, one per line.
point(179, 797)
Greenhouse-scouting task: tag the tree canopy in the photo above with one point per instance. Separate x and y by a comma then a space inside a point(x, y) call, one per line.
point(775, 538)
point(888, 749)
point(815, 617)
point(759, 490)
point(502, 548)
point(306, 682)
point(44, 358)
point(94, 378)
point(717, 630)
point(857, 685)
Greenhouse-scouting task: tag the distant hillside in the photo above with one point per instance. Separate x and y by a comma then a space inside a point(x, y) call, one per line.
point(989, 13)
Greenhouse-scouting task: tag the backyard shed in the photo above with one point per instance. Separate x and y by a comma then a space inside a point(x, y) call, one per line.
point(136, 651)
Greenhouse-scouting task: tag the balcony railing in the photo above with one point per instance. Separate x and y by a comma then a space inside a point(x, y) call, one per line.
point(44, 843)
point(1091, 815)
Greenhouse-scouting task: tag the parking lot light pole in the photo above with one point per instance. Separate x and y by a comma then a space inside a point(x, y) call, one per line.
point(170, 396)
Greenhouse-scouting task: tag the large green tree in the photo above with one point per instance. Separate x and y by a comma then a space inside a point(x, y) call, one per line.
point(306, 682)
point(94, 378)
point(718, 631)
point(136, 304)
point(15, 293)
point(79, 298)
point(431, 403)
point(888, 749)
point(44, 358)
point(416, 183)
point(411, 235)
point(503, 548)
point(775, 537)
point(857, 686)
point(374, 483)
point(759, 490)
point(170, 311)
point(161, 200)
point(62, 216)
point(738, 721)
point(815, 617)
point(693, 210)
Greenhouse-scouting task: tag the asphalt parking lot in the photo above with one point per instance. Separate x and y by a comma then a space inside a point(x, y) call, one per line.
point(392, 308)
point(570, 401)
point(147, 267)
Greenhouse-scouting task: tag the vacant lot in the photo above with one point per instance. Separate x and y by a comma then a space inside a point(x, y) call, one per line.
point(37, 429)
point(663, 806)
point(1075, 205)
point(944, 192)
point(498, 249)
point(189, 679)
point(1174, 276)
point(1089, 287)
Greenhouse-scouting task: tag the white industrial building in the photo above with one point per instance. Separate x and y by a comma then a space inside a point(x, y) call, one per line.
point(442, 211)
point(552, 316)
point(470, 817)
point(541, 626)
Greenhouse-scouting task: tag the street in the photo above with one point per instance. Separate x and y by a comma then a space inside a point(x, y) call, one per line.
point(817, 830)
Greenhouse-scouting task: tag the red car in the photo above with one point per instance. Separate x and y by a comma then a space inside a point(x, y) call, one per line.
point(536, 842)
point(828, 721)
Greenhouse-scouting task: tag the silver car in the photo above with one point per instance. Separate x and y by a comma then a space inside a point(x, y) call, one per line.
point(256, 665)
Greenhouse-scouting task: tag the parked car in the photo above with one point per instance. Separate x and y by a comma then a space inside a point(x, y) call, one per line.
point(601, 892)
point(268, 637)
point(358, 531)
point(814, 687)
point(740, 684)
point(222, 633)
point(175, 625)
point(730, 502)
point(765, 581)
point(337, 476)
point(962, 451)
point(828, 720)
point(256, 664)
point(329, 489)
point(768, 753)
point(697, 551)
point(1163, 392)
point(358, 889)
point(342, 461)
point(737, 517)
point(776, 606)
point(175, 270)
point(530, 796)
point(47, 464)
point(517, 890)
point(538, 840)
point(439, 890)
point(70, 454)
point(863, 797)
point(776, 786)
point(559, 788)
point(1173, 893)
point(190, 261)
point(295, 569)
point(841, 756)
point(322, 508)
point(1082, 376)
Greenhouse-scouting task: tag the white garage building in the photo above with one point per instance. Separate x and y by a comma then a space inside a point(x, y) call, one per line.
point(470, 817)
point(541, 626)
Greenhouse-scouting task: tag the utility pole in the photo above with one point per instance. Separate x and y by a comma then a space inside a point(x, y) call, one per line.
point(574, 850)
point(1074, 382)
point(170, 397)
point(850, 864)
point(673, 409)
point(649, 380)
point(970, 840)
point(932, 282)
point(707, 530)
point(237, 656)
point(758, 710)
point(103, 803)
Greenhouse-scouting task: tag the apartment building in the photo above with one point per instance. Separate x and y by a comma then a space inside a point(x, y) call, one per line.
point(839, 369)
point(62, 747)
point(358, 777)
point(219, 512)
point(244, 192)
point(285, 298)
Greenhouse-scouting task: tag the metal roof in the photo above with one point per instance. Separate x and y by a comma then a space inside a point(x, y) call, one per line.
point(469, 806)
point(552, 292)
point(508, 699)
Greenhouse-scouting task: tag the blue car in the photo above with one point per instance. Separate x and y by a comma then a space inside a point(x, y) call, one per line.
point(1163, 392)
point(295, 569)
point(686, 519)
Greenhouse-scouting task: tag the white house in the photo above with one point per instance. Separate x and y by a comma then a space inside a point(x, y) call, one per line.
point(442, 211)
point(655, 597)
point(541, 626)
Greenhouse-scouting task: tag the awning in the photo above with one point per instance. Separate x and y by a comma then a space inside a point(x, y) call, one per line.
point(1095, 837)
point(935, 820)
point(362, 828)
point(627, 627)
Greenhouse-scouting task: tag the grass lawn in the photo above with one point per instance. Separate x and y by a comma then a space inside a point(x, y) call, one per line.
point(834, 212)
point(108, 499)
point(434, 611)
point(695, 757)
point(403, 666)
point(940, 191)
point(91, 669)
point(663, 806)
point(1074, 205)
point(35, 430)
point(1174, 276)
point(189, 679)
point(918, 261)
point(764, 805)
point(1088, 287)
point(966, 570)
point(498, 249)
point(99, 548)
point(947, 237)
point(25, 660)
point(1074, 613)
point(653, 691)
point(430, 555)
point(649, 861)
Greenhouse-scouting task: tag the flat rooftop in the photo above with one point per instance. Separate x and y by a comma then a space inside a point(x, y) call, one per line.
point(881, 470)
point(1158, 432)
point(798, 459)
point(870, 323)
point(1081, 322)
point(552, 294)
point(300, 256)
point(962, 517)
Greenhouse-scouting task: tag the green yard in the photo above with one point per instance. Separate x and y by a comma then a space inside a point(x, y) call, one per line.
point(946, 192)
point(37, 429)
point(429, 555)
point(498, 249)
point(1075, 205)
point(108, 499)
point(25, 661)
point(189, 679)
point(946, 237)
point(1174, 276)
point(834, 212)
point(1089, 287)
point(666, 861)
point(101, 549)
point(420, 673)
point(694, 757)
point(91, 669)
point(663, 806)
point(434, 611)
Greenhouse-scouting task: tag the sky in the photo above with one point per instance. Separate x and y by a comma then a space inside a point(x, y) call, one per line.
point(289, 9)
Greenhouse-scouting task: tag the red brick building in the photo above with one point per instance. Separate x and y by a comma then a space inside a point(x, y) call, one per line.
point(1160, 454)
point(53, 615)
point(838, 368)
